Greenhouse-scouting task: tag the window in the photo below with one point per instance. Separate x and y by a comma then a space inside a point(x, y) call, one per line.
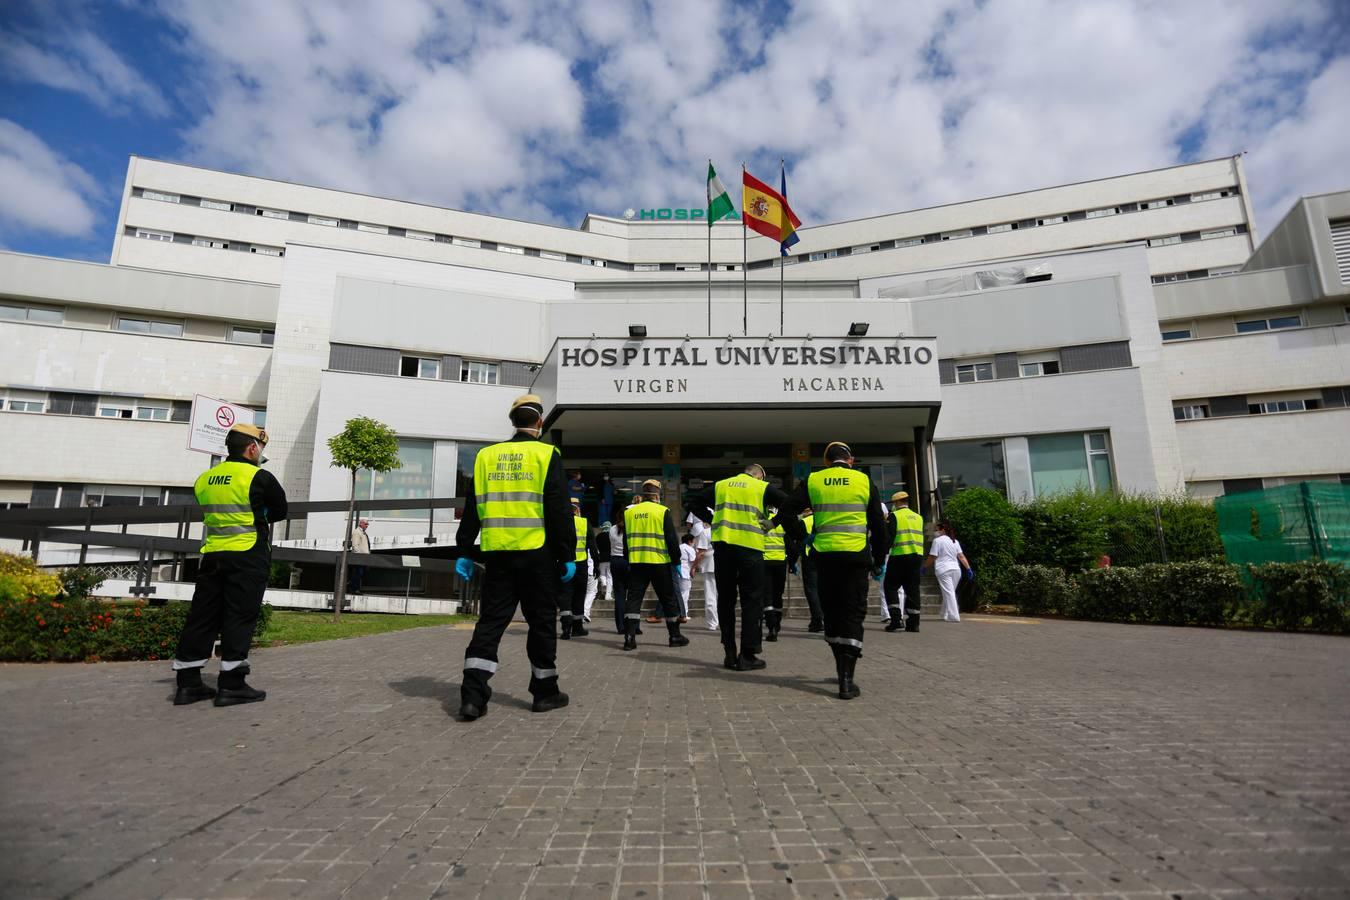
point(373, 229)
point(1190, 411)
point(996, 229)
point(1156, 204)
point(273, 213)
point(150, 326)
point(956, 235)
point(115, 408)
point(974, 372)
point(1218, 233)
point(154, 235)
point(1207, 195)
point(901, 242)
point(49, 315)
point(1043, 367)
point(1103, 212)
point(465, 242)
point(1177, 334)
point(698, 267)
point(1252, 325)
point(217, 204)
point(587, 261)
point(1226, 270)
point(553, 255)
point(210, 243)
point(479, 372)
point(153, 410)
point(1279, 406)
point(263, 250)
point(864, 248)
point(160, 195)
point(1067, 462)
point(323, 220)
point(120, 495)
point(1164, 241)
point(242, 334)
point(420, 367)
point(507, 248)
point(413, 481)
point(728, 267)
point(646, 267)
point(816, 257)
point(1052, 220)
point(419, 235)
point(467, 453)
point(966, 464)
point(23, 401)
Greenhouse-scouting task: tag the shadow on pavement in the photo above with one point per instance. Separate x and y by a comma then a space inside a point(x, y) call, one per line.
point(715, 671)
point(448, 693)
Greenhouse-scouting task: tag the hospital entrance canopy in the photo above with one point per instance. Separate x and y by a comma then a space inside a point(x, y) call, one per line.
point(730, 390)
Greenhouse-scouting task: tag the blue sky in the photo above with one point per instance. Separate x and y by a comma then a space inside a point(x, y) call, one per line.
point(549, 110)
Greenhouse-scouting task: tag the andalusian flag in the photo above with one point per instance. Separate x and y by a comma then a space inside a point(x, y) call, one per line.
point(719, 201)
point(767, 212)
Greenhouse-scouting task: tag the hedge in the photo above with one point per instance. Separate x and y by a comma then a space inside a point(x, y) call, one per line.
point(1303, 596)
point(987, 527)
point(51, 618)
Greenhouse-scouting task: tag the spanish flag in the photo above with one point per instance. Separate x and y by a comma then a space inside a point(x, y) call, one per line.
point(767, 212)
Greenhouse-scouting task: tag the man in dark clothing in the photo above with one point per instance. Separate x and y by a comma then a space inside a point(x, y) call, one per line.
point(240, 501)
point(652, 548)
point(849, 538)
point(735, 507)
point(519, 504)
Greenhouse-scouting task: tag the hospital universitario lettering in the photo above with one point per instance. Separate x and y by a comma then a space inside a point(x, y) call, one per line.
point(803, 356)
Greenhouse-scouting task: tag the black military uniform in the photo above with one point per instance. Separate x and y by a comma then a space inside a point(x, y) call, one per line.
point(230, 582)
point(638, 547)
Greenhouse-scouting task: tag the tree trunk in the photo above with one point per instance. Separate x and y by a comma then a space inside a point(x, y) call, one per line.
point(340, 585)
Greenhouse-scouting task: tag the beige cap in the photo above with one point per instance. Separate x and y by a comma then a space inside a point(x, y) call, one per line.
point(899, 495)
point(253, 431)
point(528, 400)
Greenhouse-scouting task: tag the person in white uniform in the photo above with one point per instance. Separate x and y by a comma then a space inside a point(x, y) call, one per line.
point(703, 546)
point(687, 557)
point(947, 561)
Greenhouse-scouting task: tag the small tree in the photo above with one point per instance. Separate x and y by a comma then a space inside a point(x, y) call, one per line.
point(363, 444)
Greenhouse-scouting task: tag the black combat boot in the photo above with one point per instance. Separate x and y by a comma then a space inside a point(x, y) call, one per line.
point(774, 620)
point(897, 620)
point(579, 627)
point(544, 704)
point(565, 629)
point(190, 687)
point(912, 621)
point(469, 710)
point(815, 626)
point(732, 659)
point(847, 689)
point(232, 690)
point(630, 634)
point(676, 639)
point(750, 662)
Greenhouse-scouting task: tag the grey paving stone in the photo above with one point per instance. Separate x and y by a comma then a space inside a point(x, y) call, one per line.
point(989, 758)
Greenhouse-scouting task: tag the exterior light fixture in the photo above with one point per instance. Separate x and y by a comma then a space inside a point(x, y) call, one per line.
point(637, 331)
point(858, 329)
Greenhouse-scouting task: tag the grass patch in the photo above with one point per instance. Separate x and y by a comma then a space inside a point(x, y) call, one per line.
point(297, 627)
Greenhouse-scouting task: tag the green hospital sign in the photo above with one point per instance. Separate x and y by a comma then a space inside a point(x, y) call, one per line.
point(673, 214)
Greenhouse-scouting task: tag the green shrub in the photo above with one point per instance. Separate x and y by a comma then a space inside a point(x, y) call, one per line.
point(1293, 595)
point(987, 526)
point(1107, 595)
point(1073, 530)
point(1068, 531)
point(79, 582)
point(22, 580)
point(1036, 590)
point(1187, 593)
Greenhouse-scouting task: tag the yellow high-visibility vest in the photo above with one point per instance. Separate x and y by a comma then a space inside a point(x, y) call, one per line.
point(738, 508)
point(582, 527)
point(775, 545)
point(222, 492)
point(839, 503)
point(908, 533)
point(508, 486)
point(644, 526)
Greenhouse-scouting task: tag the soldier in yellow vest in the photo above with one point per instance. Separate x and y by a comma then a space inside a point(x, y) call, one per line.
point(849, 541)
point(905, 527)
point(574, 606)
point(239, 501)
point(737, 510)
point(775, 575)
point(518, 521)
point(652, 548)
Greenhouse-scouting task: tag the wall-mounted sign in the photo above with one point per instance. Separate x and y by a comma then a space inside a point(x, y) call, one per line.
point(746, 371)
point(211, 419)
point(675, 214)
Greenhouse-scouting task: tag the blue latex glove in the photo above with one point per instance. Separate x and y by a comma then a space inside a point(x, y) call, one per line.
point(970, 574)
point(878, 572)
point(569, 571)
point(464, 568)
point(811, 539)
point(675, 572)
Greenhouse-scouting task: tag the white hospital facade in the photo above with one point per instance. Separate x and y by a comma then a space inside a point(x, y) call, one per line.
point(1126, 333)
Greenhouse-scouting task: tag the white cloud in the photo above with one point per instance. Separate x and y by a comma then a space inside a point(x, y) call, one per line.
point(43, 191)
point(879, 106)
point(81, 62)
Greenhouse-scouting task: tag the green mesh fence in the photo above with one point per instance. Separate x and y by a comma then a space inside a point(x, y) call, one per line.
point(1309, 520)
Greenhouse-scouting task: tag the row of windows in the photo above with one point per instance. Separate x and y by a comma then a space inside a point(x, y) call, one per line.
point(472, 371)
point(1058, 463)
point(51, 495)
point(172, 237)
point(374, 228)
point(65, 403)
point(1260, 405)
point(56, 315)
point(1191, 275)
point(1253, 325)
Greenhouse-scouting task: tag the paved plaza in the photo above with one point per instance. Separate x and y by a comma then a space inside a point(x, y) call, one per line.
point(997, 757)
